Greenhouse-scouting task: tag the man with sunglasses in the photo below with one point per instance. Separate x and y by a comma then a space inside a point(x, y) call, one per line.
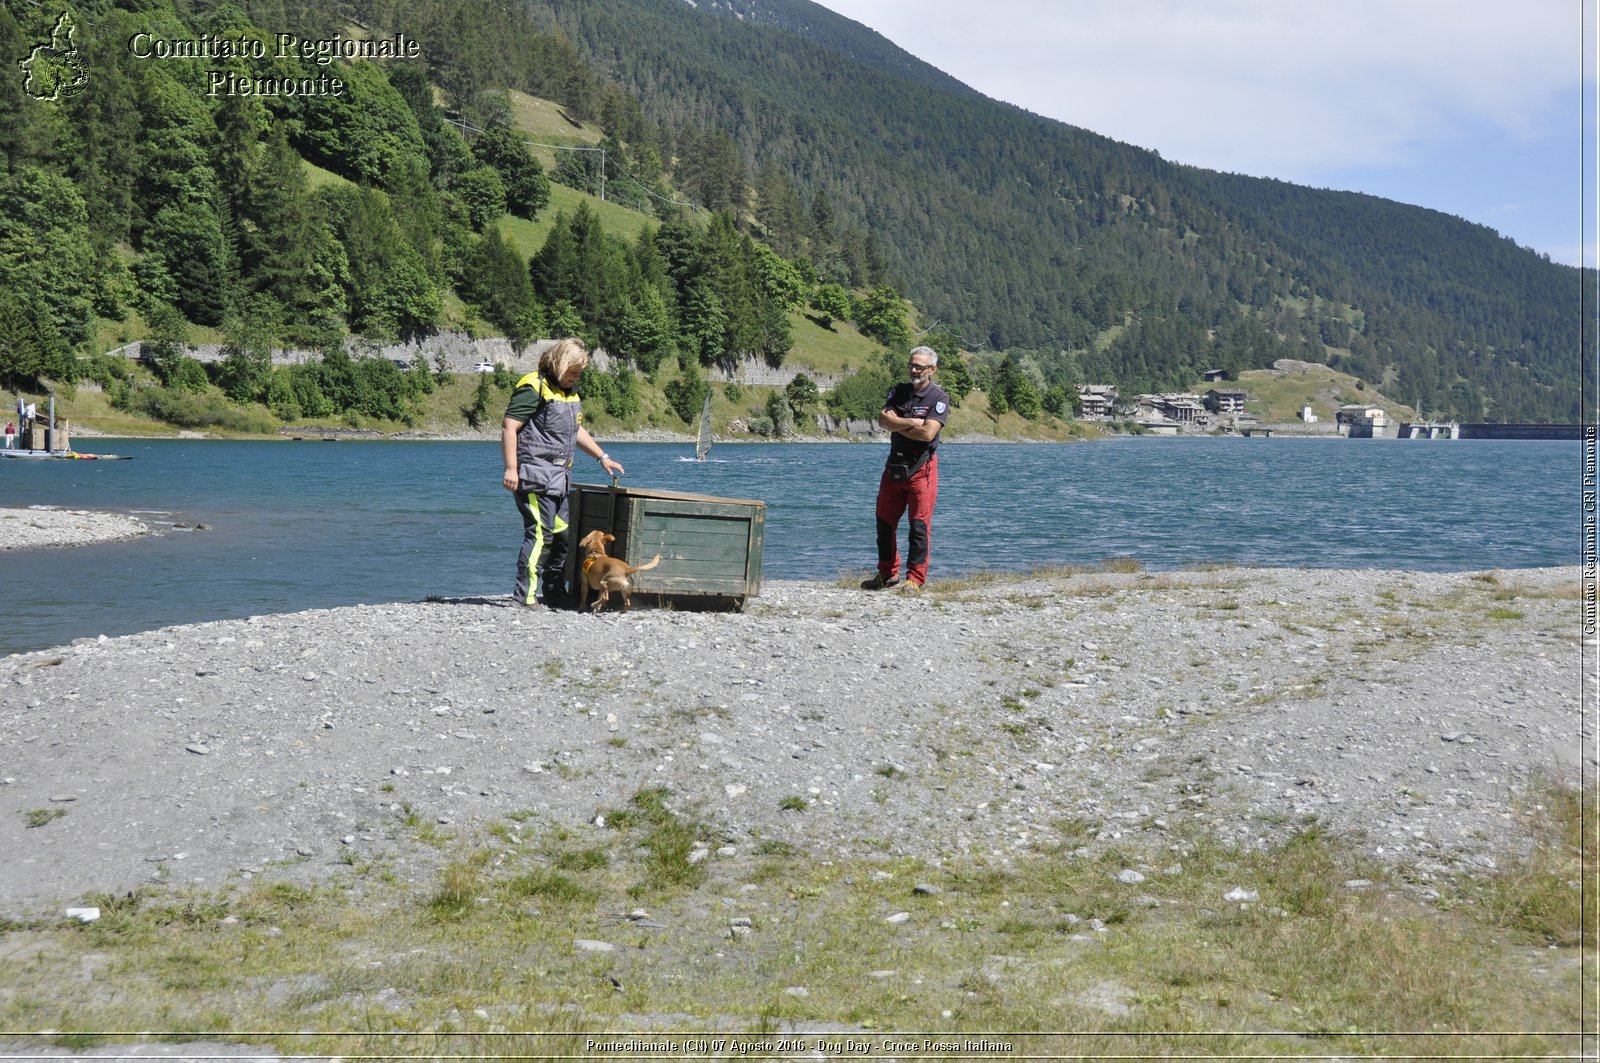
point(913, 415)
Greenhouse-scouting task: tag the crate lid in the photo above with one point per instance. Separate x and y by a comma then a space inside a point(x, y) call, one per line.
point(677, 496)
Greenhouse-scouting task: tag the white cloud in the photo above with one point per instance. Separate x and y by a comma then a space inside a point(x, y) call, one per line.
point(1258, 86)
point(1390, 96)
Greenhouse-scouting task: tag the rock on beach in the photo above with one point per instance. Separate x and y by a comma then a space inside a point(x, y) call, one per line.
point(984, 720)
point(42, 526)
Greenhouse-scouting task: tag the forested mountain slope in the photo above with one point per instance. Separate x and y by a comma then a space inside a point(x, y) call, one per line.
point(262, 176)
point(1024, 232)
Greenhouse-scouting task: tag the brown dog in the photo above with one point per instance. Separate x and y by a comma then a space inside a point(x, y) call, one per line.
point(604, 574)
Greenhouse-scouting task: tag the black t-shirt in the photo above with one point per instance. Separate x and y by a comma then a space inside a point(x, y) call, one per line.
point(931, 403)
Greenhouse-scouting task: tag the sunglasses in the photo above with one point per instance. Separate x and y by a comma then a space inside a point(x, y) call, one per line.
point(915, 368)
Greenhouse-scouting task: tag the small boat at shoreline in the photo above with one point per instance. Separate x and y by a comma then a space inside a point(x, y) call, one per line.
point(70, 455)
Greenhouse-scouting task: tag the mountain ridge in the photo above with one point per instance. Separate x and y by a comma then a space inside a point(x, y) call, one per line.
point(1033, 234)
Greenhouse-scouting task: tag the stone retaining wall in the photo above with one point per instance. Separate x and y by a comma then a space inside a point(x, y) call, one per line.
point(461, 352)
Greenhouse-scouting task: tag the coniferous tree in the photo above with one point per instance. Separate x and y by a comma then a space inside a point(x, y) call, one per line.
point(31, 350)
point(19, 112)
point(291, 252)
point(188, 242)
point(686, 392)
point(703, 324)
point(645, 333)
point(389, 290)
point(500, 288)
point(45, 250)
point(725, 270)
point(245, 372)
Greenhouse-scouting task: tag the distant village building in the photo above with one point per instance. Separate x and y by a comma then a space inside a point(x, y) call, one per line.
point(1096, 400)
point(1356, 413)
point(1362, 420)
point(1212, 376)
point(1308, 415)
point(1184, 409)
point(1225, 400)
point(1177, 409)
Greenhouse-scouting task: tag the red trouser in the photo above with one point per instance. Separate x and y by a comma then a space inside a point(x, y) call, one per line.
point(894, 498)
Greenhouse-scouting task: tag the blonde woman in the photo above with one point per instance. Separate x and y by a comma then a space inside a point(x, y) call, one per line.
point(542, 430)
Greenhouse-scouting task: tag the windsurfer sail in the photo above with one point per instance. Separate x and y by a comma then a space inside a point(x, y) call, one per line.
point(702, 446)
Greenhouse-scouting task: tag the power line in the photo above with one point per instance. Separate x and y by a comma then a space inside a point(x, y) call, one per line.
point(555, 147)
point(602, 150)
point(664, 199)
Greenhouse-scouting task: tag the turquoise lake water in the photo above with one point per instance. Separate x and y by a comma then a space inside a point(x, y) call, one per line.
point(299, 525)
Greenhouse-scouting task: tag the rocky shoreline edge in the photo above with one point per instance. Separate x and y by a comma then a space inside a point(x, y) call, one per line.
point(986, 720)
point(37, 527)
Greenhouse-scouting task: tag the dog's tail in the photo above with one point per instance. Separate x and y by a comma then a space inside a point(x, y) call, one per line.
point(652, 563)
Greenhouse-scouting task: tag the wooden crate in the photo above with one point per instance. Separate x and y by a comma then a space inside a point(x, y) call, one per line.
point(710, 547)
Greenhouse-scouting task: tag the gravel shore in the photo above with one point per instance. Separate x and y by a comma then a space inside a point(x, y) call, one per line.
point(979, 720)
point(41, 526)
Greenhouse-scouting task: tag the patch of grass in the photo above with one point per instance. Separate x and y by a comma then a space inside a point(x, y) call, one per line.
point(1076, 828)
point(456, 893)
point(1028, 945)
point(1540, 893)
point(1306, 878)
point(775, 847)
point(39, 817)
point(505, 832)
point(582, 859)
point(550, 885)
point(987, 579)
point(317, 177)
point(76, 1042)
point(529, 236)
point(794, 803)
point(665, 839)
point(434, 835)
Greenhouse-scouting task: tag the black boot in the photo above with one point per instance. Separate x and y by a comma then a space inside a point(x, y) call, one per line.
point(554, 588)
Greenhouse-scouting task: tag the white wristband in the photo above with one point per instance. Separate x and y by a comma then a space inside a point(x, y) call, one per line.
point(603, 458)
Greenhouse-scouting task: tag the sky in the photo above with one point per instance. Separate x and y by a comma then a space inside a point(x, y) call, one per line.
point(1472, 107)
